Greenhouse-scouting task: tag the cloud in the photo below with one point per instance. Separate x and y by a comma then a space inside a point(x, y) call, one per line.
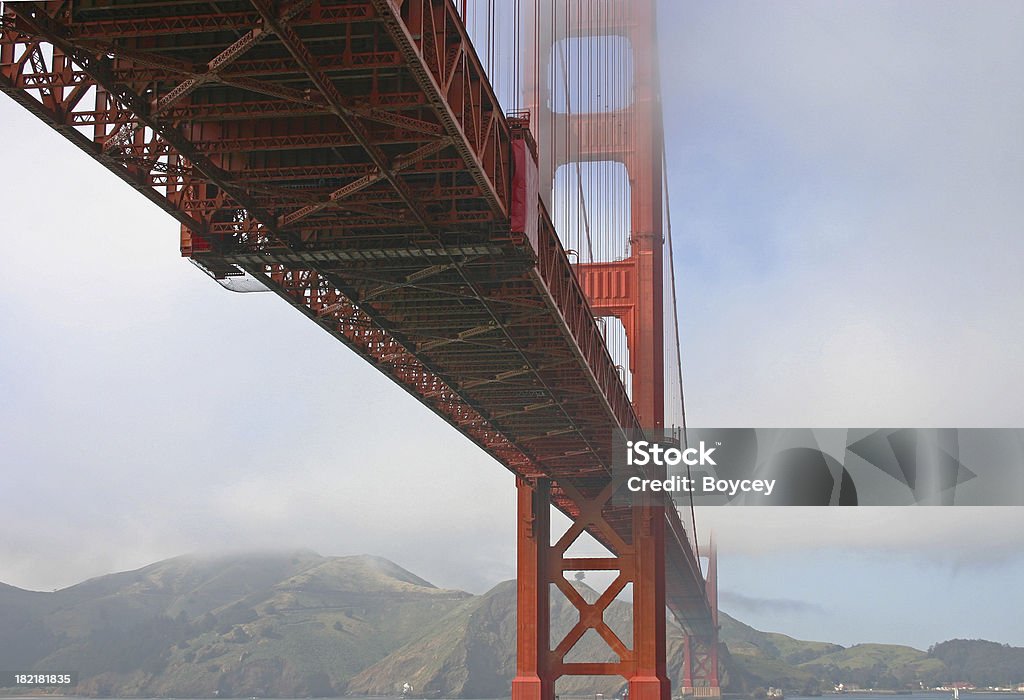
point(782, 606)
point(958, 536)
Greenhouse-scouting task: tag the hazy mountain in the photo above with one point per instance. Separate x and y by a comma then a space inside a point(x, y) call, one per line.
point(281, 624)
point(755, 659)
point(299, 624)
point(745, 640)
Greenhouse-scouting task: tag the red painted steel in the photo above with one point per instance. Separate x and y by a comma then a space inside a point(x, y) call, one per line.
point(534, 678)
point(352, 156)
point(632, 290)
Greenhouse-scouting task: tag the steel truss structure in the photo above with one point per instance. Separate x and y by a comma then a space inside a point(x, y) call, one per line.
point(352, 156)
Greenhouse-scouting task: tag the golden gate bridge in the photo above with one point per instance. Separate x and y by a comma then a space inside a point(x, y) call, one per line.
point(472, 196)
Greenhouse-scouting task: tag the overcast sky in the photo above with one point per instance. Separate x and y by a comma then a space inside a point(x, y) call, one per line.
point(848, 190)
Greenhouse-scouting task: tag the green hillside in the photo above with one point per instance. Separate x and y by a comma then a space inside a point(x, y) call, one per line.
point(747, 641)
point(887, 666)
point(266, 625)
point(980, 662)
point(299, 624)
point(769, 659)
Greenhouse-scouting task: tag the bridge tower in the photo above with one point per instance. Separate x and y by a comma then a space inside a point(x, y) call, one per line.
point(629, 288)
point(700, 652)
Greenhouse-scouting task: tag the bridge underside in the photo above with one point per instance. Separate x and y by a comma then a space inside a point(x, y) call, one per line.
point(352, 156)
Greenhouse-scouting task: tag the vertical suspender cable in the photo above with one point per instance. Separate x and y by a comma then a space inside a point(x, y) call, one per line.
point(675, 317)
point(579, 174)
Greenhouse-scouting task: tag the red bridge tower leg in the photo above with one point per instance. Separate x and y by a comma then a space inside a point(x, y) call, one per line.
point(533, 679)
